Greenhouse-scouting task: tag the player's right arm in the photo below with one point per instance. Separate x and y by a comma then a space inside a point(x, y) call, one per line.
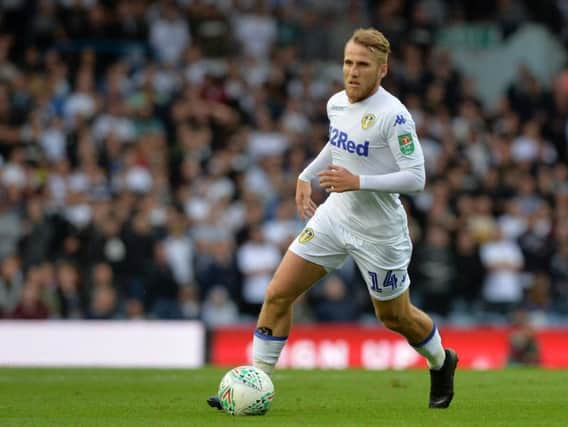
point(304, 204)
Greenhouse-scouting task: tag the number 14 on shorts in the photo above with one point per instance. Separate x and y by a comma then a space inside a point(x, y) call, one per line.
point(390, 281)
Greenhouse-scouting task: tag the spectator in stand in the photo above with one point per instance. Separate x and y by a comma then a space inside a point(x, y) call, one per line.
point(46, 278)
point(178, 248)
point(512, 221)
point(256, 30)
point(81, 103)
point(523, 346)
point(335, 304)
point(218, 268)
point(257, 260)
point(11, 284)
point(10, 221)
point(105, 242)
point(189, 302)
point(169, 33)
point(503, 286)
point(30, 307)
point(536, 242)
point(37, 235)
point(218, 308)
point(139, 240)
point(103, 304)
point(71, 297)
point(538, 299)
point(470, 272)
point(436, 271)
point(162, 288)
point(102, 276)
point(284, 227)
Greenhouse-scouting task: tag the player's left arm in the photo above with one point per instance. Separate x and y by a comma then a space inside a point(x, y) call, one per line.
point(400, 133)
point(404, 144)
point(337, 179)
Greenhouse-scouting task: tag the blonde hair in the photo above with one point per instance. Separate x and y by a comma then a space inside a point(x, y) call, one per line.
point(373, 40)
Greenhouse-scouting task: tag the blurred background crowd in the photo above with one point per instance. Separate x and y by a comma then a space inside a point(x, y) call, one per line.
point(149, 152)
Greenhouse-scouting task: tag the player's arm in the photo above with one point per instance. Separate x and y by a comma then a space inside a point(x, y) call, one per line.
point(400, 132)
point(409, 180)
point(304, 204)
point(322, 161)
point(405, 147)
point(336, 179)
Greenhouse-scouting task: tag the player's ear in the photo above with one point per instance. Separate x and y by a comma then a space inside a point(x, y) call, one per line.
point(383, 70)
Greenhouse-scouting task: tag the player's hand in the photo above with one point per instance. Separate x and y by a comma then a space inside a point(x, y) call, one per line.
point(304, 204)
point(336, 179)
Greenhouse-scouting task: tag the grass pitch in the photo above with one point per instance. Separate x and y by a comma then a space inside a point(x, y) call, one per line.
point(117, 397)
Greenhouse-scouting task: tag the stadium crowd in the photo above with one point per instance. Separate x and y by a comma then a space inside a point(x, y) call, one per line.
point(150, 150)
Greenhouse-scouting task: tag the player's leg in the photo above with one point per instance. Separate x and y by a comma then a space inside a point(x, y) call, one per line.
point(401, 316)
point(391, 300)
point(310, 256)
point(294, 276)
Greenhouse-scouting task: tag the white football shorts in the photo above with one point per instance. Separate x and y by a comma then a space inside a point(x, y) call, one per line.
point(383, 265)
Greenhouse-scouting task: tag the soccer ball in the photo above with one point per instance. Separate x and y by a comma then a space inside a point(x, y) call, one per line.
point(246, 390)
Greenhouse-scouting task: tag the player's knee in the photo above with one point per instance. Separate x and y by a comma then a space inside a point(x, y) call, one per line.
point(277, 299)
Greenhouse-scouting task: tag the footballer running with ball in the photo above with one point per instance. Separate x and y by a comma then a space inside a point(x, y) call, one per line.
point(373, 154)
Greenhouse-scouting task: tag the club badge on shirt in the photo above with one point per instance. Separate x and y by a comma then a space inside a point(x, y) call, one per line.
point(406, 143)
point(367, 120)
point(306, 235)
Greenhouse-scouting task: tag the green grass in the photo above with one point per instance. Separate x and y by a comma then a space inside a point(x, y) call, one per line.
point(117, 397)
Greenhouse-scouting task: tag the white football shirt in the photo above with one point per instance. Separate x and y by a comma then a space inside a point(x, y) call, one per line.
point(375, 136)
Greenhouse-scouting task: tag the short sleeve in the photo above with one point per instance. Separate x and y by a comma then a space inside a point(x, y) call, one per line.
point(400, 132)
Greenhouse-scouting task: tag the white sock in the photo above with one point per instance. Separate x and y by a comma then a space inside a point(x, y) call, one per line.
point(431, 348)
point(266, 350)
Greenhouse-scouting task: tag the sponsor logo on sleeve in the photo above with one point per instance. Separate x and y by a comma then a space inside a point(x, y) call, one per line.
point(406, 143)
point(399, 120)
point(367, 120)
point(306, 235)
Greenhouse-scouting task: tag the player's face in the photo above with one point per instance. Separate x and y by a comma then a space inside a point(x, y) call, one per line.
point(362, 73)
